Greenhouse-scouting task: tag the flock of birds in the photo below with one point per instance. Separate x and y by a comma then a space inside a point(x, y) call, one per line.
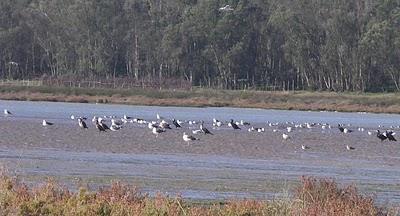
point(161, 125)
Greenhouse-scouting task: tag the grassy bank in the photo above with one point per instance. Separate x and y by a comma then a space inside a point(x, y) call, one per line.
point(330, 101)
point(312, 197)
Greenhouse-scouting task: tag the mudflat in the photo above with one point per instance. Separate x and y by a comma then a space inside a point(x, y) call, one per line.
point(229, 163)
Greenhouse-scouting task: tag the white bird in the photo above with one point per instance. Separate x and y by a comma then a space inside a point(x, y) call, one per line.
point(285, 136)
point(115, 122)
point(260, 130)
point(152, 125)
point(127, 117)
point(217, 123)
point(165, 125)
point(304, 147)
point(157, 131)
point(289, 129)
point(369, 133)
point(6, 112)
point(72, 117)
point(188, 138)
point(349, 147)
point(46, 123)
point(244, 123)
point(196, 131)
point(226, 8)
point(115, 127)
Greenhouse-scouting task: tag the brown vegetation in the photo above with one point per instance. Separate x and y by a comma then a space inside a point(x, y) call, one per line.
point(330, 101)
point(312, 197)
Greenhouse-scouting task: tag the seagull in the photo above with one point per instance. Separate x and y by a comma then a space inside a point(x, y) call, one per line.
point(304, 147)
point(115, 127)
point(157, 131)
point(188, 138)
point(115, 122)
point(285, 136)
point(196, 131)
point(72, 117)
point(289, 129)
point(381, 136)
point(244, 123)
point(165, 125)
point(46, 123)
point(82, 124)
point(175, 122)
point(345, 130)
point(6, 112)
point(217, 123)
point(233, 125)
point(369, 133)
point(152, 125)
point(127, 117)
point(226, 8)
point(349, 147)
point(205, 130)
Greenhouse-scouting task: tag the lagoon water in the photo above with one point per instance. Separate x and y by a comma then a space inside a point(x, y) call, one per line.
point(230, 164)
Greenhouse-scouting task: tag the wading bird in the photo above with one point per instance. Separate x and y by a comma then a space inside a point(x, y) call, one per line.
point(82, 124)
point(188, 138)
point(46, 123)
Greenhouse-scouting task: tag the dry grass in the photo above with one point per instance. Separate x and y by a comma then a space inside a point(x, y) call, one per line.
point(347, 102)
point(312, 197)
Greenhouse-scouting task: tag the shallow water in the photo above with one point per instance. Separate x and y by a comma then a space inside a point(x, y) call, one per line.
point(230, 164)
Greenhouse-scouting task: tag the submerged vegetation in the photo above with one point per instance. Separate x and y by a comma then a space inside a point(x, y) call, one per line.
point(312, 197)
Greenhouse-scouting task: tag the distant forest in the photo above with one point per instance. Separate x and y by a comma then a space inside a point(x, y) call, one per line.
point(333, 45)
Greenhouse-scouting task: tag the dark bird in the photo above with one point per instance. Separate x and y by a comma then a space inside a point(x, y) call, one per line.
point(205, 130)
point(381, 136)
point(100, 127)
point(177, 125)
point(233, 125)
point(340, 128)
point(82, 124)
point(389, 135)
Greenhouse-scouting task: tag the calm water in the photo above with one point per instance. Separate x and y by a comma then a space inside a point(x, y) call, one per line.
point(50, 110)
point(201, 176)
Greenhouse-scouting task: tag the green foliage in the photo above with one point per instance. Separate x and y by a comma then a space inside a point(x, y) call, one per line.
point(306, 44)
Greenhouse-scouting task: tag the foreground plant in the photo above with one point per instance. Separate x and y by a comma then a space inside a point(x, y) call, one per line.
point(312, 197)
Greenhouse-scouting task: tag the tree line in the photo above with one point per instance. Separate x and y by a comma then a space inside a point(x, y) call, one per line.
point(334, 45)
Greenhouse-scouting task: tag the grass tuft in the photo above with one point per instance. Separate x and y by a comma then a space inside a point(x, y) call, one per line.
point(312, 197)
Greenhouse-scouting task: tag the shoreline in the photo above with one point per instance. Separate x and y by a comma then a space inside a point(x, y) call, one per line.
point(299, 100)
